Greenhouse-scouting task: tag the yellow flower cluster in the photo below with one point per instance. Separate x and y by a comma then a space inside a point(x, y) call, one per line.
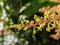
point(38, 23)
point(47, 15)
point(37, 19)
point(18, 26)
point(41, 26)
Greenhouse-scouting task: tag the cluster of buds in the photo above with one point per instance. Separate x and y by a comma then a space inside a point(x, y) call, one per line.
point(55, 10)
point(55, 1)
point(38, 22)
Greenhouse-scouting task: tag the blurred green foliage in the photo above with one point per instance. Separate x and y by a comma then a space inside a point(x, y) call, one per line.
point(41, 37)
point(0, 11)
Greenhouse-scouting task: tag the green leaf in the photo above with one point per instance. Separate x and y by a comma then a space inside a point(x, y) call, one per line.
point(41, 1)
point(34, 6)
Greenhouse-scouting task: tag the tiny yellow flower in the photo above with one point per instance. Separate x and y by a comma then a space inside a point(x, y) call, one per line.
point(15, 25)
point(57, 17)
point(34, 31)
point(32, 22)
point(41, 17)
point(45, 17)
point(46, 13)
point(42, 25)
point(54, 25)
point(25, 28)
point(18, 27)
point(36, 18)
point(39, 28)
point(22, 22)
point(52, 15)
point(11, 26)
point(48, 29)
point(26, 21)
point(58, 11)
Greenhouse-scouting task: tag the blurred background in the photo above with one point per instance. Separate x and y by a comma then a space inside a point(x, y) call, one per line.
point(14, 11)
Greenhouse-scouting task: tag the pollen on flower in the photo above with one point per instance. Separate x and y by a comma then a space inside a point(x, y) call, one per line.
point(48, 29)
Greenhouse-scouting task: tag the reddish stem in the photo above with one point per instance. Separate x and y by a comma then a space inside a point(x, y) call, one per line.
point(37, 23)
